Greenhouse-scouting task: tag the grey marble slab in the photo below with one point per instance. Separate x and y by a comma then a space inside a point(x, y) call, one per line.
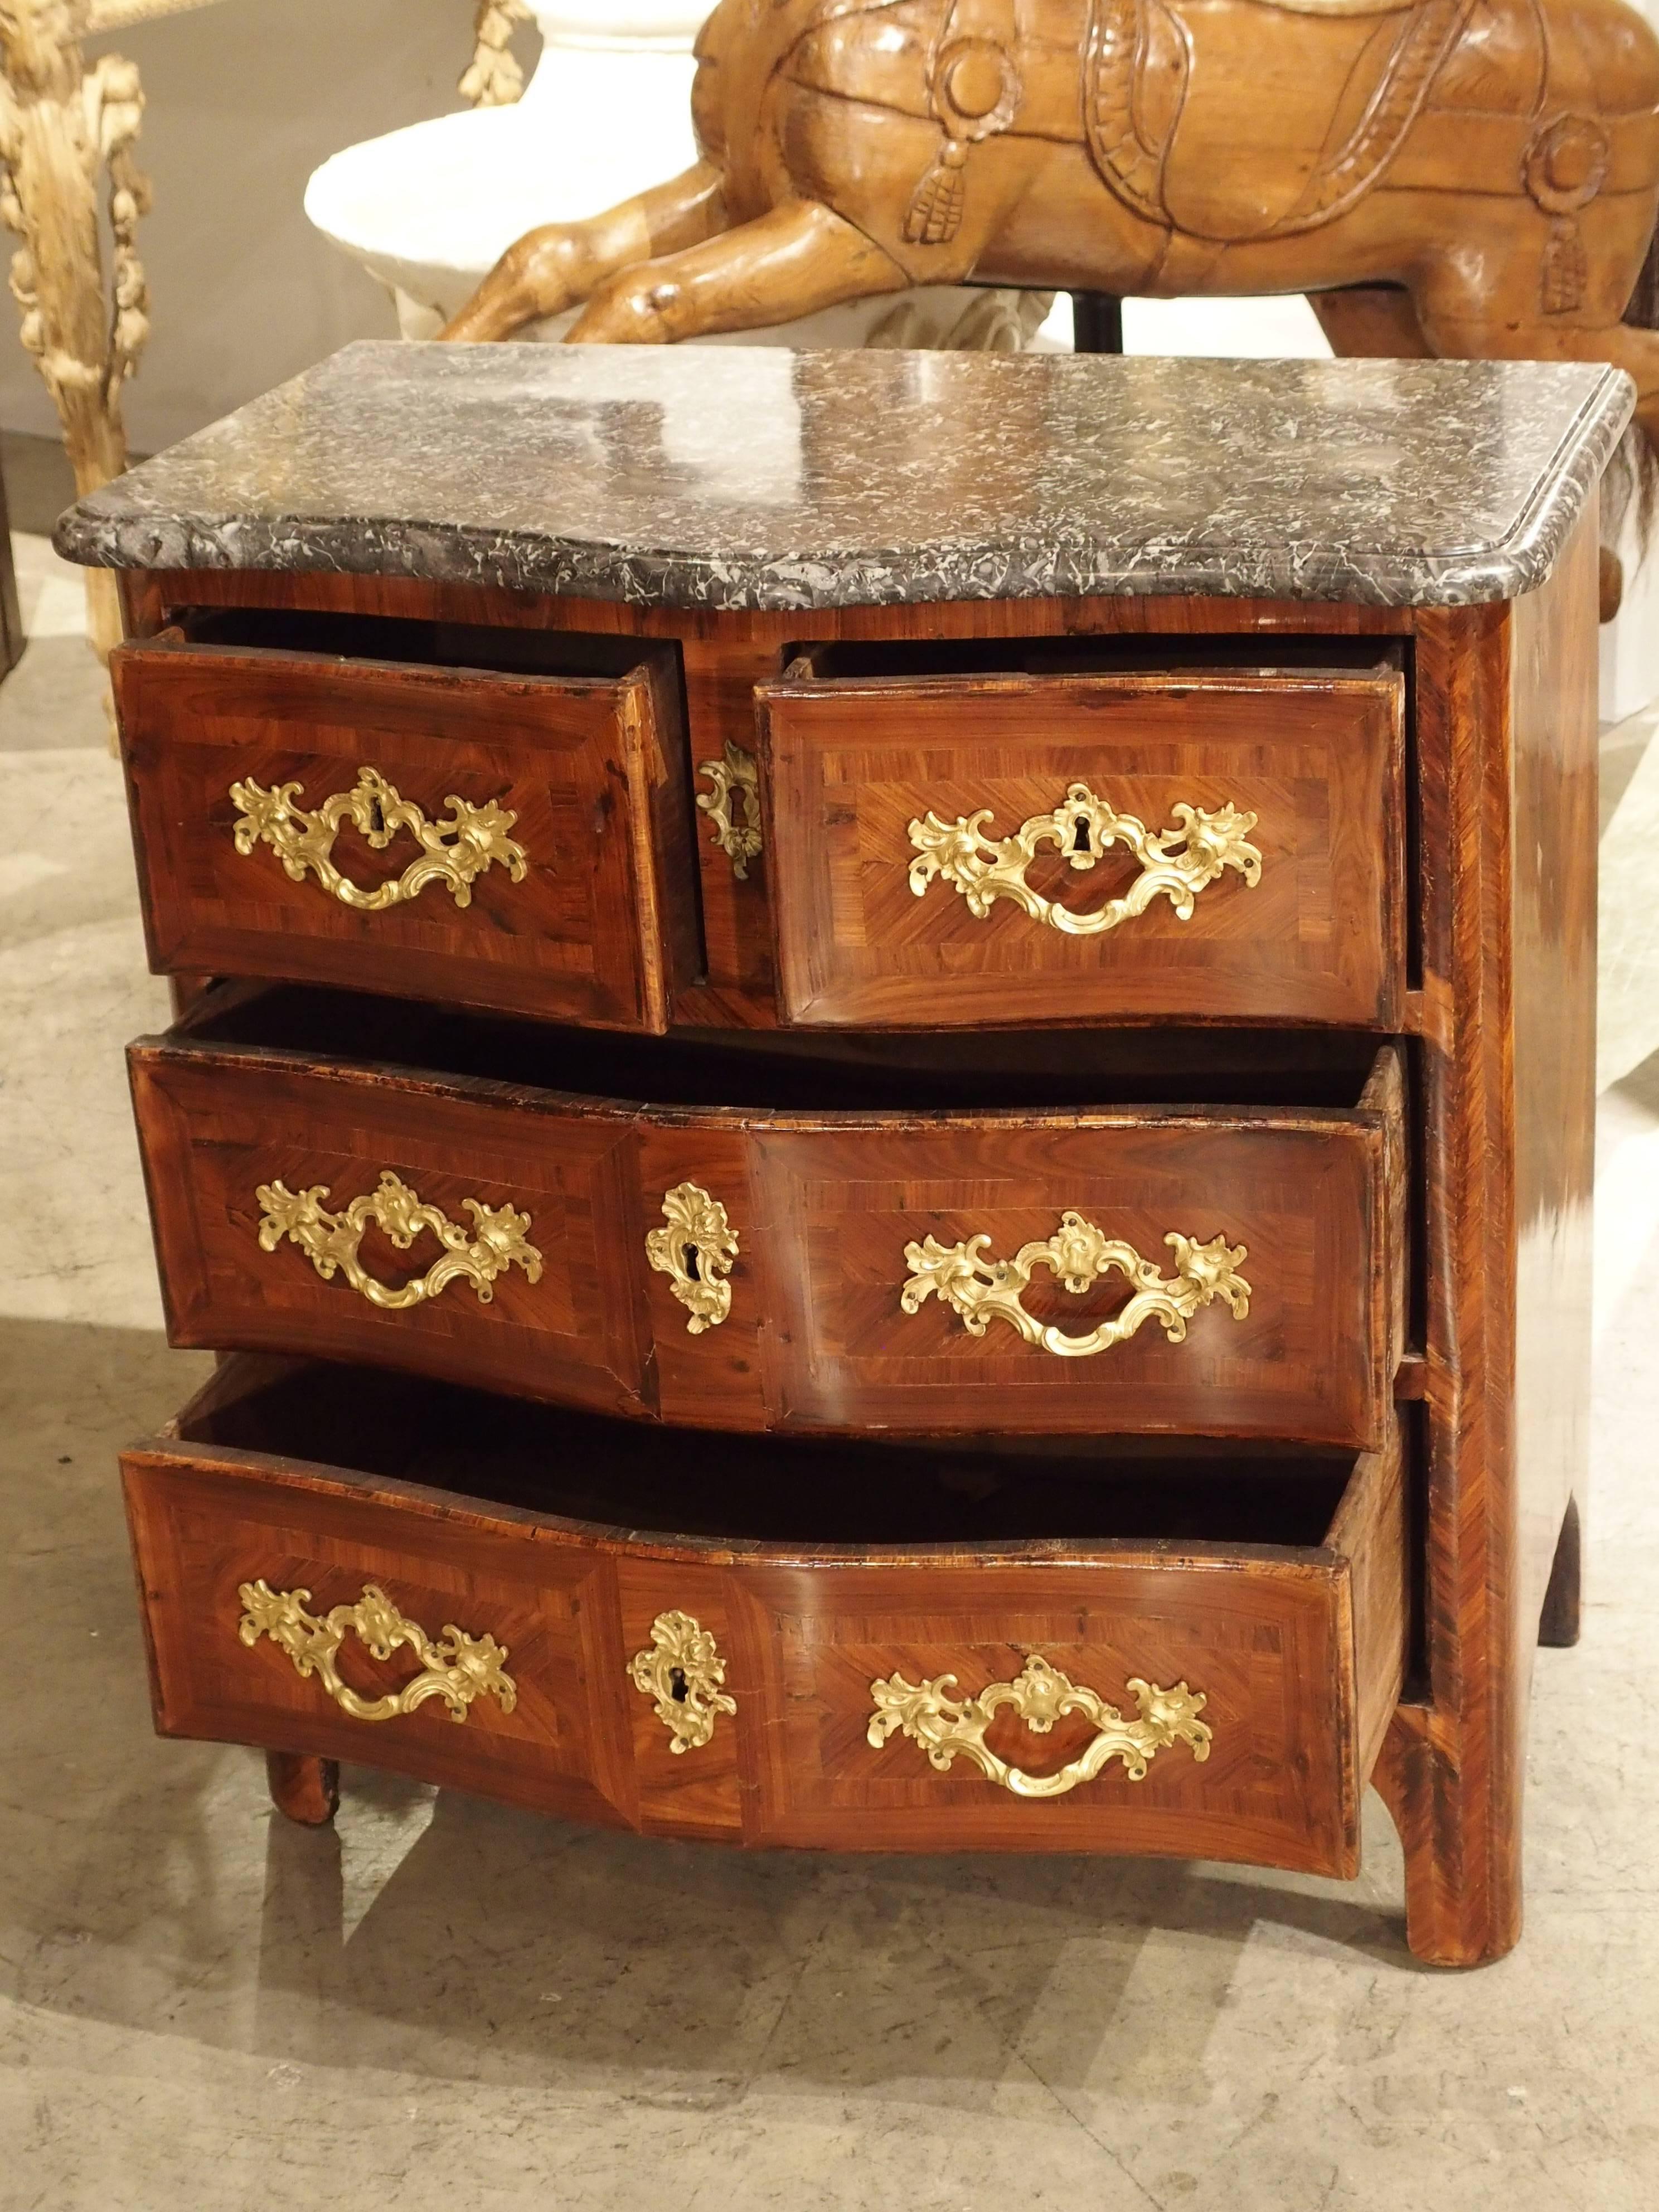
point(754, 478)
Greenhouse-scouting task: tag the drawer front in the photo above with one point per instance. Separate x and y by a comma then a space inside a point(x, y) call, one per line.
point(283, 1610)
point(1194, 1699)
point(253, 1169)
point(495, 840)
point(1013, 849)
point(966, 1725)
point(1235, 1271)
point(1239, 1280)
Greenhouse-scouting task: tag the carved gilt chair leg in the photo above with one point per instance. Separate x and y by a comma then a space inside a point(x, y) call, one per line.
point(65, 127)
point(307, 1789)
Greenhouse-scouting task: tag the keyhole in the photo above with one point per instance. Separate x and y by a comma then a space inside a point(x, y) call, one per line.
point(376, 817)
point(1080, 835)
point(693, 1264)
point(678, 1688)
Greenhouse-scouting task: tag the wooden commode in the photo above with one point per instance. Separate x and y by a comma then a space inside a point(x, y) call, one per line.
point(882, 1092)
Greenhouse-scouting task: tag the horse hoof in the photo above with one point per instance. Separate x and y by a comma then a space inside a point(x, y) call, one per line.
point(1612, 583)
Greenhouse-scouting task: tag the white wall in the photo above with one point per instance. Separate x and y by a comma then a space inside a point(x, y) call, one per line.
point(245, 99)
point(1630, 646)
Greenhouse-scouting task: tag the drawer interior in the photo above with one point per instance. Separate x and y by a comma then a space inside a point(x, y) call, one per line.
point(421, 644)
point(741, 1491)
point(877, 659)
point(898, 1070)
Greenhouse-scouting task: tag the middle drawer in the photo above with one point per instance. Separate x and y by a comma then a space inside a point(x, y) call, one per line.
point(1189, 1233)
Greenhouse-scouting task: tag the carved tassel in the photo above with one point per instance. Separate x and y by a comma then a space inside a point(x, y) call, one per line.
point(1565, 268)
point(935, 212)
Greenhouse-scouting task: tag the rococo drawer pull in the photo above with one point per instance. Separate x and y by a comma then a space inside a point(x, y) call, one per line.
point(736, 780)
point(983, 1291)
point(330, 1241)
point(944, 1726)
point(453, 853)
point(1175, 864)
point(697, 1249)
point(458, 1667)
point(683, 1672)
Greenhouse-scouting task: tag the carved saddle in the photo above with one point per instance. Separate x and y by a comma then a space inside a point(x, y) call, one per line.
point(1236, 120)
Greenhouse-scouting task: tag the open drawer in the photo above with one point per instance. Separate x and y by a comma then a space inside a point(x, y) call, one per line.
point(1052, 844)
point(1196, 1232)
point(857, 1646)
point(497, 818)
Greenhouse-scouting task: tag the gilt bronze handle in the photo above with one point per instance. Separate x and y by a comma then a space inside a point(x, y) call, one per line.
point(452, 852)
point(330, 1241)
point(1175, 864)
point(947, 1727)
point(458, 1667)
point(983, 1291)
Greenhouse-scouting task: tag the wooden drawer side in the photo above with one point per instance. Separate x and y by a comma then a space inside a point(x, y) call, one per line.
point(1373, 1532)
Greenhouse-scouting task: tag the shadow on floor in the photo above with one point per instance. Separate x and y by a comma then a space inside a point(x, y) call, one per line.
point(588, 1952)
point(53, 700)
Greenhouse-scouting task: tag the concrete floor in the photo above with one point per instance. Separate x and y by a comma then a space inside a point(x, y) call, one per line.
point(446, 2002)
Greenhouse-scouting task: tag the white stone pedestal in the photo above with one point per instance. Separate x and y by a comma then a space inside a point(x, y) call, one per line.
point(430, 209)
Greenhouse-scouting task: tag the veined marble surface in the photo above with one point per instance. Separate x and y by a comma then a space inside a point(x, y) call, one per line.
point(754, 478)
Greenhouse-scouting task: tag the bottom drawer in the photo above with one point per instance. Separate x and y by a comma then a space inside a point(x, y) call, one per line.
point(1192, 1651)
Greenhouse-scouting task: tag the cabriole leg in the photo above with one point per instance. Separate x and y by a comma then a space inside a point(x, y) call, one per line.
point(1462, 1878)
point(307, 1789)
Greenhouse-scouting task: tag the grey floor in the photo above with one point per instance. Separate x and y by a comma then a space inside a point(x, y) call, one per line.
point(445, 2004)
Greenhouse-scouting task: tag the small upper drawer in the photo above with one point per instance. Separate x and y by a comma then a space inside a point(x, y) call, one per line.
point(845, 1646)
point(494, 817)
point(1227, 844)
point(1111, 1232)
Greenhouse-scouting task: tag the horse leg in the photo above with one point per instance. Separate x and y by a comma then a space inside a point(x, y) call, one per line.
point(549, 269)
point(792, 262)
point(1370, 322)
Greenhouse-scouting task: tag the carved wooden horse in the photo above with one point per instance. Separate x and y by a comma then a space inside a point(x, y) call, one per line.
point(1497, 161)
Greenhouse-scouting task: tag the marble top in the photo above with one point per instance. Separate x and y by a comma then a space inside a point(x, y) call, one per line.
point(751, 477)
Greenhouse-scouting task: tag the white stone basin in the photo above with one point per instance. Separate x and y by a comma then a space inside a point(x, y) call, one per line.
point(430, 209)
